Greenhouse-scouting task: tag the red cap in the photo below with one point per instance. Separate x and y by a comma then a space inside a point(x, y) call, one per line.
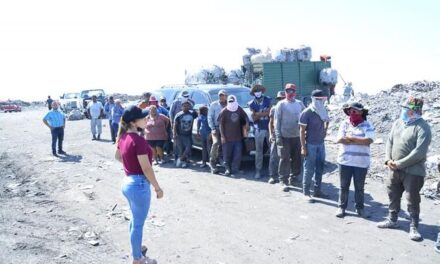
point(290, 86)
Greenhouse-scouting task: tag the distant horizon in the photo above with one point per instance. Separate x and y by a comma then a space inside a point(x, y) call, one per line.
point(140, 94)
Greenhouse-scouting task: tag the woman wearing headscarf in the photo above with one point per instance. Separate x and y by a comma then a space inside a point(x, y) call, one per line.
point(233, 123)
point(355, 136)
point(136, 156)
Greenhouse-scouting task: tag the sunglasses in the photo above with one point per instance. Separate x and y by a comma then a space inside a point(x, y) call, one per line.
point(290, 91)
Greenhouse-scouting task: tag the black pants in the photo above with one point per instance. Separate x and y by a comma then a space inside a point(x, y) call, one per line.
point(398, 183)
point(57, 135)
point(289, 151)
point(346, 173)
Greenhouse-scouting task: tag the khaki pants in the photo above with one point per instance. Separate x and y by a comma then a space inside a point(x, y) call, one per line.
point(398, 183)
point(215, 148)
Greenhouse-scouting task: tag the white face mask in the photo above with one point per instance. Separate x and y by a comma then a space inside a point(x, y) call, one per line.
point(258, 94)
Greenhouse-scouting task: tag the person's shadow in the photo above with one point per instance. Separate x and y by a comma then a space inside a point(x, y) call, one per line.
point(70, 158)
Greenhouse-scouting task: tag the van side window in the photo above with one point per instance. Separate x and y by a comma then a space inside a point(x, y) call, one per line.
point(199, 98)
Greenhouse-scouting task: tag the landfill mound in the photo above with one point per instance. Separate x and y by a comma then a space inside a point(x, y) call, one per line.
point(384, 108)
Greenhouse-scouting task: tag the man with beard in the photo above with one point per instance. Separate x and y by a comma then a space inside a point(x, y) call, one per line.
point(287, 115)
point(260, 108)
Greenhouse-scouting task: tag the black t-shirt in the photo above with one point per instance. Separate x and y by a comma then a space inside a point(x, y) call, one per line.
point(184, 122)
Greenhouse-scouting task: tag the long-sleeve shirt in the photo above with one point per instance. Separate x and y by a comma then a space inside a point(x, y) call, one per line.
point(287, 114)
point(408, 146)
point(214, 111)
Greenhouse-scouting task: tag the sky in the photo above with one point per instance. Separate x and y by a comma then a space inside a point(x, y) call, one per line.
point(49, 47)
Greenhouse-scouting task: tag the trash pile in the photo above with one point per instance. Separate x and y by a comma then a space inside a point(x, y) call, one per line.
point(303, 53)
point(210, 75)
point(384, 109)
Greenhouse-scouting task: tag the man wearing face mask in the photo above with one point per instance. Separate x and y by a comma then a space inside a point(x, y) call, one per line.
point(355, 136)
point(232, 123)
point(313, 129)
point(260, 108)
point(406, 151)
point(287, 115)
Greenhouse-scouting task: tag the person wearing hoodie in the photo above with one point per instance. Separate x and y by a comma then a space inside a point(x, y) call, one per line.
point(406, 151)
point(233, 124)
point(260, 107)
point(313, 129)
point(355, 136)
point(287, 114)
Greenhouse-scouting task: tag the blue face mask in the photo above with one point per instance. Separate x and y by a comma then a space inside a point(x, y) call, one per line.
point(404, 115)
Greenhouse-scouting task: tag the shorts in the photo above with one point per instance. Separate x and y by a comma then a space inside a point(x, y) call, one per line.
point(156, 143)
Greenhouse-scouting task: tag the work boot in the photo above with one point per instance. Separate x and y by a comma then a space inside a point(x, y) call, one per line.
point(388, 224)
point(61, 152)
point(99, 137)
point(94, 137)
point(340, 213)
point(360, 212)
point(414, 234)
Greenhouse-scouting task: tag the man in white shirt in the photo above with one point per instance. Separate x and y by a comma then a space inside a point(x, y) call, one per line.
point(95, 110)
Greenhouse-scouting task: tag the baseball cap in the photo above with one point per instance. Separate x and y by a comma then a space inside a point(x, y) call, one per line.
point(133, 113)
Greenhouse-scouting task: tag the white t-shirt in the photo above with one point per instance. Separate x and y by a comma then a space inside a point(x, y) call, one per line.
point(351, 154)
point(95, 109)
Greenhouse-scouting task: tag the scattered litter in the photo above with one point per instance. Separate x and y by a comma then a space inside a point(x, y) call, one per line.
point(93, 242)
point(292, 238)
point(87, 187)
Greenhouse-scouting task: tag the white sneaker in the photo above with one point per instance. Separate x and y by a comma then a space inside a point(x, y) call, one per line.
point(178, 163)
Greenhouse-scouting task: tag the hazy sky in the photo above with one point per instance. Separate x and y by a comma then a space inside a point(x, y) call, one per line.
point(49, 47)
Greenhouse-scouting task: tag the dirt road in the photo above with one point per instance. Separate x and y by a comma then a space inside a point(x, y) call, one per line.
point(71, 210)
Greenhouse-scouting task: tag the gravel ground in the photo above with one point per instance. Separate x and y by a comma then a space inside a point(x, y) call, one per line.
point(71, 210)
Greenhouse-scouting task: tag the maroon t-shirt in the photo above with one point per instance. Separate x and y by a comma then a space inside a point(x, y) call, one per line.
point(130, 146)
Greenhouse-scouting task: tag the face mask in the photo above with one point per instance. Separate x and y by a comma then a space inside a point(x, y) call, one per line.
point(355, 119)
point(258, 94)
point(290, 96)
point(404, 115)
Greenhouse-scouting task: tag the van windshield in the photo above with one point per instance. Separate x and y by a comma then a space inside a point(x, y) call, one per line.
point(243, 96)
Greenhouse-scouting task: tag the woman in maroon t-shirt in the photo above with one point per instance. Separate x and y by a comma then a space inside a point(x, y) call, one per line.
point(136, 156)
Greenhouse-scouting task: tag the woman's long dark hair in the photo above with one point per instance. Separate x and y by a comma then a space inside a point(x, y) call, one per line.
point(123, 128)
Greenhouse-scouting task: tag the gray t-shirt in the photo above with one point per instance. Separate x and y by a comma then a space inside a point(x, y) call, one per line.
point(315, 130)
point(287, 115)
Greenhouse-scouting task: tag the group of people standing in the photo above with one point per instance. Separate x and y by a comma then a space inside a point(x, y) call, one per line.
point(296, 135)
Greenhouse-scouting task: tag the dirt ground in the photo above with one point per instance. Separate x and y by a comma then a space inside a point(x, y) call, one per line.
point(71, 210)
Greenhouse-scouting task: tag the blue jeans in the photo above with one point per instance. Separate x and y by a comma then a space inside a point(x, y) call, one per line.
point(232, 152)
point(114, 128)
point(136, 189)
point(57, 135)
point(358, 175)
point(313, 165)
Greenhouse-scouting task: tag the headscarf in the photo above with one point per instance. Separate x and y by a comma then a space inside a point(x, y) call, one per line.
point(318, 107)
point(232, 103)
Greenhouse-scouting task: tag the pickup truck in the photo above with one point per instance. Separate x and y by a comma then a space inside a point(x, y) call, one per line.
point(86, 96)
point(69, 102)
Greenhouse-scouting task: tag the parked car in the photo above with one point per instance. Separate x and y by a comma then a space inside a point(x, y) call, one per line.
point(205, 94)
point(9, 107)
